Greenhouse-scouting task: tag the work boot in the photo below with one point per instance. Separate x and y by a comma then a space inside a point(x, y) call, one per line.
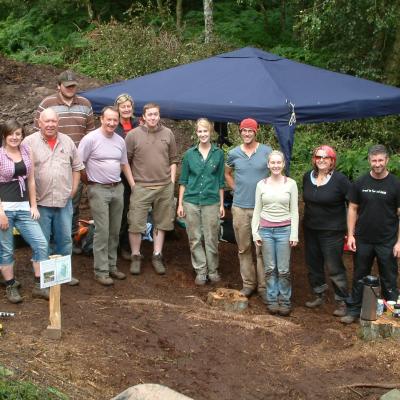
point(284, 310)
point(200, 280)
point(273, 308)
point(104, 280)
point(158, 264)
point(117, 274)
point(214, 278)
point(348, 319)
point(136, 262)
point(39, 293)
point(73, 281)
point(318, 301)
point(247, 291)
point(12, 293)
point(340, 310)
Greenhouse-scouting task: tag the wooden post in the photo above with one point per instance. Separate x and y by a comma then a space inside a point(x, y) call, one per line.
point(53, 330)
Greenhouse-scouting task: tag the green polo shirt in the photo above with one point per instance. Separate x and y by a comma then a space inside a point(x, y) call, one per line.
point(202, 179)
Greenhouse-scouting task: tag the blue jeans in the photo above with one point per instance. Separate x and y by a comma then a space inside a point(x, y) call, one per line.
point(56, 223)
point(276, 257)
point(29, 230)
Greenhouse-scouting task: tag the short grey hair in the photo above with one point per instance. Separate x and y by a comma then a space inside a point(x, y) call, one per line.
point(377, 149)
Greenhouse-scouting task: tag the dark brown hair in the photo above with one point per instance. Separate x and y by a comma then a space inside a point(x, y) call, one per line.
point(150, 105)
point(8, 127)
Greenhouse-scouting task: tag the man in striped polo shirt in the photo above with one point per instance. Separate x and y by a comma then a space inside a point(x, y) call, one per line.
point(75, 120)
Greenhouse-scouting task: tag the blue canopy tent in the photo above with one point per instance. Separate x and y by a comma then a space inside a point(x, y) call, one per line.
point(253, 83)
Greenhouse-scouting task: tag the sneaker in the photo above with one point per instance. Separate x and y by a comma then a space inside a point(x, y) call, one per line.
point(318, 301)
point(348, 319)
point(284, 310)
point(273, 308)
point(116, 274)
point(73, 281)
point(214, 278)
point(39, 293)
point(104, 280)
point(12, 293)
point(340, 310)
point(126, 255)
point(136, 262)
point(200, 280)
point(158, 264)
point(247, 291)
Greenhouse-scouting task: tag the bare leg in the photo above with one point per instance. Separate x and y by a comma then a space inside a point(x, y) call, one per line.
point(8, 272)
point(135, 239)
point(36, 268)
point(158, 238)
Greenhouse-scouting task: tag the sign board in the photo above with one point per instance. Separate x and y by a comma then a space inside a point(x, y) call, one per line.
point(55, 271)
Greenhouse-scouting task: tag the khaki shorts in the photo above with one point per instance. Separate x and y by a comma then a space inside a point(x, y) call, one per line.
point(163, 212)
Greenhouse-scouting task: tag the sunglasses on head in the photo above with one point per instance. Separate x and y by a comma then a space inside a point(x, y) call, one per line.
point(321, 157)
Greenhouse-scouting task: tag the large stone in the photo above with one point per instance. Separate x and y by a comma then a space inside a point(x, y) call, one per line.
point(150, 391)
point(392, 395)
point(228, 300)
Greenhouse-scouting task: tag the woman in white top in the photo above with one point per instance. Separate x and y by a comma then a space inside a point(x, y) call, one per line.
point(275, 228)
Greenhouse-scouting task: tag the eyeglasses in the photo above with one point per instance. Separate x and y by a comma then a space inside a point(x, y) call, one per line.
point(319, 158)
point(122, 98)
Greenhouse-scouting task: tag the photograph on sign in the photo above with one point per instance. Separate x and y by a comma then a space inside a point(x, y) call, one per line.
point(55, 271)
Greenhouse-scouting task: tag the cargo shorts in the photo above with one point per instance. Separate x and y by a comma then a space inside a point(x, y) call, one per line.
point(159, 200)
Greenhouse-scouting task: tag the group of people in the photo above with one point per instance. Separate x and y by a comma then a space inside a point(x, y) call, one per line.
point(130, 168)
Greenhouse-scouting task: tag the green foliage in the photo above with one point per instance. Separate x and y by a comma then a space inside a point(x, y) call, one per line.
point(354, 36)
point(121, 51)
point(16, 390)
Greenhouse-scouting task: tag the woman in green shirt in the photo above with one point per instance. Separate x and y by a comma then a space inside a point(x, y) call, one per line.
point(201, 201)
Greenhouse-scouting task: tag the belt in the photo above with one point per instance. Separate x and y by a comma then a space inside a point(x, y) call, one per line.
point(104, 184)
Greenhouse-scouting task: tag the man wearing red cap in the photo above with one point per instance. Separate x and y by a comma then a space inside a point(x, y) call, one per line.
point(246, 165)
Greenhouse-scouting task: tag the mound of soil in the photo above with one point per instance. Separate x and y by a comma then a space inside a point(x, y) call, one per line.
point(159, 329)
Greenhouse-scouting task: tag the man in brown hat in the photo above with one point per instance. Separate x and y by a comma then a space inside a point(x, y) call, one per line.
point(75, 120)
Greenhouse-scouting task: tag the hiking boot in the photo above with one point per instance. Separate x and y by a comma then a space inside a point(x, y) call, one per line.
point(284, 310)
point(214, 278)
point(247, 291)
point(116, 274)
point(39, 293)
point(126, 255)
point(318, 301)
point(73, 281)
point(273, 308)
point(340, 310)
point(104, 280)
point(348, 319)
point(136, 262)
point(200, 280)
point(158, 264)
point(12, 293)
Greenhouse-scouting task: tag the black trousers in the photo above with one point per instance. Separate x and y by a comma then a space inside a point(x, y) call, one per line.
point(363, 261)
point(324, 249)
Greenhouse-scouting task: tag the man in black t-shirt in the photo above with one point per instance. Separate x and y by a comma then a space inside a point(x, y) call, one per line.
point(373, 229)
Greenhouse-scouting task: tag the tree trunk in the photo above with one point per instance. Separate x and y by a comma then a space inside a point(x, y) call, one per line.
point(393, 61)
point(179, 15)
point(208, 20)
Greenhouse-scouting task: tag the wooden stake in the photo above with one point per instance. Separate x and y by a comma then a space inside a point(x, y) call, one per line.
point(53, 330)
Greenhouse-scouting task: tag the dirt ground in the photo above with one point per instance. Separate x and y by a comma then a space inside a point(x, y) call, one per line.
point(158, 329)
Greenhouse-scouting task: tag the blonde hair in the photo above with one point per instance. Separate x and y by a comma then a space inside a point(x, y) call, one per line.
point(280, 154)
point(206, 124)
